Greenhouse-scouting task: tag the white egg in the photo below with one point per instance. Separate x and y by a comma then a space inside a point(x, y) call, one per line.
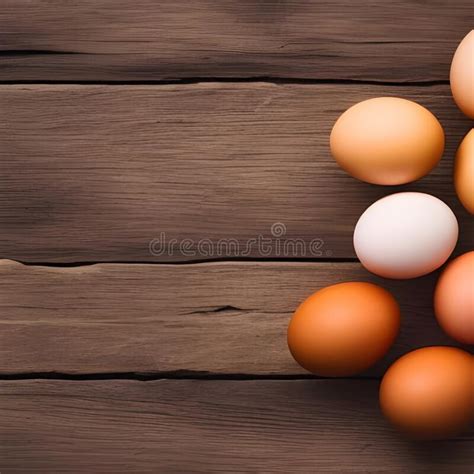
point(405, 235)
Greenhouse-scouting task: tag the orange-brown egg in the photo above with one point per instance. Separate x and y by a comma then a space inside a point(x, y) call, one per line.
point(464, 171)
point(387, 140)
point(428, 393)
point(343, 329)
point(462, 75)
point(454, 298)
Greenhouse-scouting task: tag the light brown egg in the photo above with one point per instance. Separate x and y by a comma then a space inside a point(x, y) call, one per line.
point(464, 171)
point(454, 299)
point(462, 75)
point(387, 140)
point(343, 329)
point(428, 393)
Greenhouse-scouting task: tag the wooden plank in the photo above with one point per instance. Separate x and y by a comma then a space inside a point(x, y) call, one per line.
point(210, 426)
point(96, 173)
point(226, 318)
point(147, 40)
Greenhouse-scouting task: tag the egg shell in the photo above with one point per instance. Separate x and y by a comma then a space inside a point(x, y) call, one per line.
point(462, 75)
point(464, 171)
point(405, 235)
point(454, 299)
point(428, 393)
point(343, 329)
point(387, 140)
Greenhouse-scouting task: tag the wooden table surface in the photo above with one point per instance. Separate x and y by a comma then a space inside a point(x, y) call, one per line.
point(130, 127)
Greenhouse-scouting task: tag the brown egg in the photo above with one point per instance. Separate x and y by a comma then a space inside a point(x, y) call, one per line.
point(428, 393)
point(343, 329)
point(387, 140)
point(464, 171)
point(454, 299)
point(462, 75)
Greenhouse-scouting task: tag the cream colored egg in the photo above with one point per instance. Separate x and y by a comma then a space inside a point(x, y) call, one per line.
point(405, 235)
point(464, 172)
point(462, 75)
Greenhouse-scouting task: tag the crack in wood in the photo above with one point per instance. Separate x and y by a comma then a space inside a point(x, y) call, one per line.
point(221, 309)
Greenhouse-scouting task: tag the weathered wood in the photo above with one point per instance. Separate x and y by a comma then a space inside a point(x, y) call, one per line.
point(95, 173)
point(206, 426)
point(217, 318)
point(118, 40)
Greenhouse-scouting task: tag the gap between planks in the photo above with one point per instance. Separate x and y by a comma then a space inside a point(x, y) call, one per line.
point(223, 260)
point(176, 375)
point(246, 80)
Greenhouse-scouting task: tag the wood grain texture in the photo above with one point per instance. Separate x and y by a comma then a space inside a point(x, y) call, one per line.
point(224, 318)
point(206, 426)
point(116, 40)
point(96, 173)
